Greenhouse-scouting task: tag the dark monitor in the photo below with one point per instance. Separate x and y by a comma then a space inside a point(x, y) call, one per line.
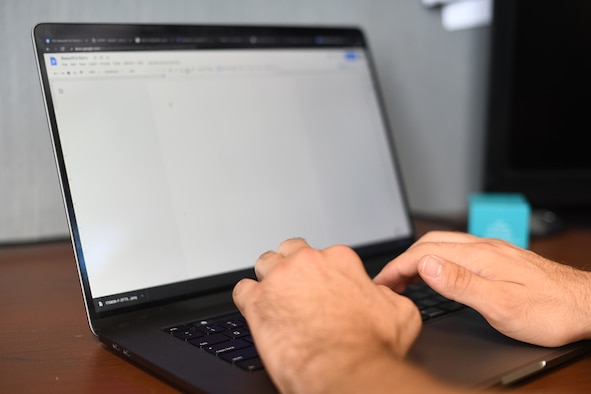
point(539, 109)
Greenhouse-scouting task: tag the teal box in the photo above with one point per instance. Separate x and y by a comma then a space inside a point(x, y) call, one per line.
point(500, 215)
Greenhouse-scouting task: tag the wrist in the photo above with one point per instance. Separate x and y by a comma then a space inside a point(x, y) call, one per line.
point(584, 304)
point(576, 301)
point(340, 371)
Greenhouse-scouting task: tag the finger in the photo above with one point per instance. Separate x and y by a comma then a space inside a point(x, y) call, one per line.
point(265, 263)
point(459, 284)
point(290, 246)
point(396, 276)
point(406, 311)
point(447, 236)
point(402, 270)
point(268, 260)
point(241, 294)
point(477, 255)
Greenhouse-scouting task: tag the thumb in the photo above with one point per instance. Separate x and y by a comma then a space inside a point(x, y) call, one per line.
point(455, 282)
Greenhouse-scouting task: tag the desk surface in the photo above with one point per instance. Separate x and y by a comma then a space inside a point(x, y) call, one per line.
point(46, 345)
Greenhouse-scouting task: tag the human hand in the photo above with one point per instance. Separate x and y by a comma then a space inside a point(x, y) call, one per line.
point(320, 324)
point(520, 293)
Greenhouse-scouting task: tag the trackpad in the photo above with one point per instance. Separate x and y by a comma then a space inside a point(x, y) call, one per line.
point(464, 349)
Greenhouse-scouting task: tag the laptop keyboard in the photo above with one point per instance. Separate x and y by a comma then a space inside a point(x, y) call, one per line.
point(228, 337)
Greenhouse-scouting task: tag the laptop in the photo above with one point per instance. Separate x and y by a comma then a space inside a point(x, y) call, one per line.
point(184, 152)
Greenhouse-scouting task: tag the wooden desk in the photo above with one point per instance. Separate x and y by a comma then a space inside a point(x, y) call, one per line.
point(46, 345)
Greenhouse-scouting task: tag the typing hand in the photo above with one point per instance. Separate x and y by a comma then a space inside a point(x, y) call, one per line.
point(320, 324)
point(520, 293)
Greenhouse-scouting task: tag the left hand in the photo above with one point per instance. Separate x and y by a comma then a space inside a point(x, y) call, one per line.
point(319, 321)
point(523, 295)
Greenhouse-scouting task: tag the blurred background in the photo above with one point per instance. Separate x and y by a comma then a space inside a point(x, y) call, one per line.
point(433, 82)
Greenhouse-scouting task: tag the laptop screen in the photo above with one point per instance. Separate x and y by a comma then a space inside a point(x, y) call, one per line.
point(186, 153)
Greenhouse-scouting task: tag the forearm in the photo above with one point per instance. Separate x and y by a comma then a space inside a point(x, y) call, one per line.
point(582, 303)
point(377, 374)
point(396, 376)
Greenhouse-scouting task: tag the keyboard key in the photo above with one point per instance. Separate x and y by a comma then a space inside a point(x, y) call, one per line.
point(207, 340)
point(451, 306)
point(427, 302)
point(431, 312)
point(240, 355)
point(233, 323)
point(252, 364)
point(237, 333)
point(430, 303)
point(209, 329)
point(226, 347)
point(184, 332)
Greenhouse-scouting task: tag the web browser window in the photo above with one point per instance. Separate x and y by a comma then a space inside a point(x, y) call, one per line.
point(186, 164)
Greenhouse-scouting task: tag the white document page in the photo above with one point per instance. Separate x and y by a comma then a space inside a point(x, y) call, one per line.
point(188, 164)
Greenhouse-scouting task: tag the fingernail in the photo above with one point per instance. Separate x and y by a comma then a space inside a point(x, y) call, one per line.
point(432, 266)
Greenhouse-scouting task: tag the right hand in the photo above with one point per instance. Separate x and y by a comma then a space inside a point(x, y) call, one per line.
point(321, 325)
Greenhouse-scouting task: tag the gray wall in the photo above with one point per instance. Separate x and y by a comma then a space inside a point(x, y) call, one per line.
point(433, 84)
